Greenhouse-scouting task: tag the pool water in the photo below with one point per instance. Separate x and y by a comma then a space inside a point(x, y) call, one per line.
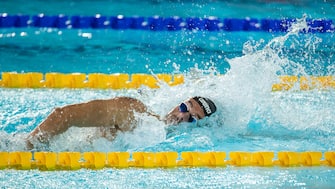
point(235, 69)
point(232, 177)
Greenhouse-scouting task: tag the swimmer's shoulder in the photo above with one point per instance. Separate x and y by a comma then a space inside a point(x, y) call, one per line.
point(137, 105)
point(132, 102)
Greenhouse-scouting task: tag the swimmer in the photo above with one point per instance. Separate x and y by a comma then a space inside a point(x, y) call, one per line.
point(114, 115)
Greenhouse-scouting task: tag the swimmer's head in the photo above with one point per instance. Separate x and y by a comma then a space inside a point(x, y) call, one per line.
point(191, 110)
point(206, 104)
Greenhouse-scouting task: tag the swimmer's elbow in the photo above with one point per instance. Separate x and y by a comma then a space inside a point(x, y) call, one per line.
point(29, 145)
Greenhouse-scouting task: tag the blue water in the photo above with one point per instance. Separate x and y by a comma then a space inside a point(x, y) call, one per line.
point(241, 177)
point(134, 51)
point(250, 116)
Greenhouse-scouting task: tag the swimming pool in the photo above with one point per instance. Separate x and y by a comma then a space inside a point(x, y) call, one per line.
point(250, 118)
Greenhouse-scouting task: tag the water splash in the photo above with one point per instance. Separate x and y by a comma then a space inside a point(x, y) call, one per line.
point(247, 106)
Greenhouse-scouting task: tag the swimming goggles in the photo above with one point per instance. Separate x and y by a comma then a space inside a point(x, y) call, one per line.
point(183, 108)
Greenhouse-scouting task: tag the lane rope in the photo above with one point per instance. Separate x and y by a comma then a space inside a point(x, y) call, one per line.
point(80, 80)
point(157, 23)
point(136, 80)
point(99, 160)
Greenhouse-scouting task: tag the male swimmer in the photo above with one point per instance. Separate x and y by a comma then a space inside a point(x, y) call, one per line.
point(114, 115)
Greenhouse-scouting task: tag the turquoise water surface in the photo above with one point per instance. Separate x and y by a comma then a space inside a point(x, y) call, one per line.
point(250, 116)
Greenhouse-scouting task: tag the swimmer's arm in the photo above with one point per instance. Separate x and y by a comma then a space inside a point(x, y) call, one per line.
point(96, 113)
point(61, 119)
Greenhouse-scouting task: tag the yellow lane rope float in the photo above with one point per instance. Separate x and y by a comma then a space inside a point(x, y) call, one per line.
point(80, 80)
point(133, 81)
point(99, 160)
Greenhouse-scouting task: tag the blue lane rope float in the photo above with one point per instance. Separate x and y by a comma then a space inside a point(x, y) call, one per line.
point(157, 23)
point(136, 80)
point(98, 160)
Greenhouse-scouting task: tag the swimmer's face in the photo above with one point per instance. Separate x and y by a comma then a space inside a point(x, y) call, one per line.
point(188, 111)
